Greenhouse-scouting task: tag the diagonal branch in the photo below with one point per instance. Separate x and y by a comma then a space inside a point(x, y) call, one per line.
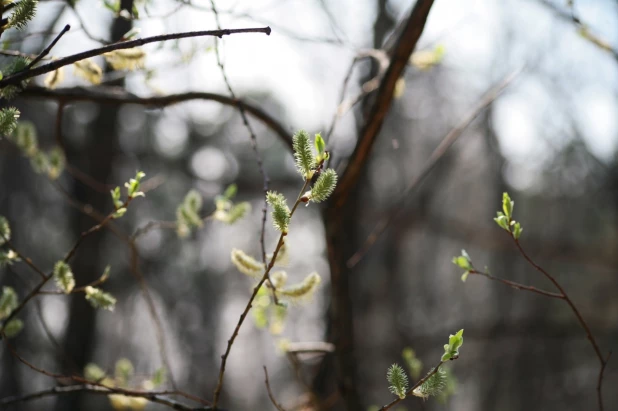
point(115, 95)
point(17, 78)
point(489, 97)
point(405, 44)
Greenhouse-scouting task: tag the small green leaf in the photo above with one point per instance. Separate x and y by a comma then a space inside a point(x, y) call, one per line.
point(120, 212)
point(502, 221)
point(230, 191)
point(517, 229)
point(464, 276)
point(507, 205)
point(320, 147)
point(158, 378)
point(451, 350)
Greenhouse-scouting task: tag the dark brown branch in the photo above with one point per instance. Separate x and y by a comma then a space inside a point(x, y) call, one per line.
point(399, 60)
point(241, 320)
point(270, 394)
point(519, 286)
point(55, 65)
point(48, 48)
point(488, 98)
point(114, 95)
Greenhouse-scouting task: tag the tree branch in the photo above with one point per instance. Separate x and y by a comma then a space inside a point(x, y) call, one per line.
point(116, 95)
point(17, 78)
point(48, 48)
point(399, 60)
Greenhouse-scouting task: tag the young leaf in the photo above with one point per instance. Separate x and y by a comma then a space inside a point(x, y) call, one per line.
point(320, 148)
point(451, 350)
point(124, 371)
point(230, 192)
point(116, 197)
point(517, 229)
point(64, 277)
point(507, 205)
point(303, 154)
point(502, 221)
point(281, 211)
point(397, 380)
point(324, 186)
point(93, 372)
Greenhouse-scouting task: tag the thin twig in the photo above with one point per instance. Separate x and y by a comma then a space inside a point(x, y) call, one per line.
point(270, 394)
point(150, 395)
point(488, 98)
point(519, 286)
point(25, 259)
point(271, 264)
point(66, 259)
point(254, 145)
point(48, 48)
point(580, 318)
point(55, 65)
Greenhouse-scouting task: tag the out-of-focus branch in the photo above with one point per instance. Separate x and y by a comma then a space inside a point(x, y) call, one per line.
point(17, 78)
point(405, 44)
point(448, 140)
point(116, 95)
point(583, 29)
point(270, 393)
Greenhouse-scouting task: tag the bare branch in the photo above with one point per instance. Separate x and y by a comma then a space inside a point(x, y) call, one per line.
point(116, 95)
point(48, 48)
point(17, 78)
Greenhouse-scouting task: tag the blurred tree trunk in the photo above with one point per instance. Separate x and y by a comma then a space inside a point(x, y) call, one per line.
point(341, 225)
point(96, 160)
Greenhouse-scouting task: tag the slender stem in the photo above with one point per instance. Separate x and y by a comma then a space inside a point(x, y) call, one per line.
point(519, 286)
point(48, 48)
point(582, 322)
point(55, 65)
point(25, 259)
point(241, 320)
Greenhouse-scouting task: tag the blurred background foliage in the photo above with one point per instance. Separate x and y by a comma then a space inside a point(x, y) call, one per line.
point(550, 140)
